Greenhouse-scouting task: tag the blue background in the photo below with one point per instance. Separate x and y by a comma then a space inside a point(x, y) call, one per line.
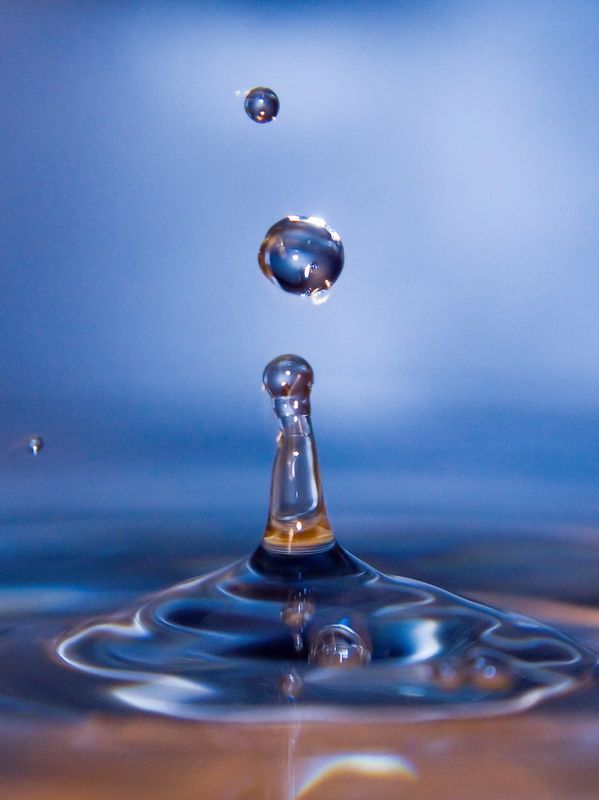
point(453, 145)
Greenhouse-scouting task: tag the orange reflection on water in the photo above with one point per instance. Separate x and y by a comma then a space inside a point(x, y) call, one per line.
point(322, 772)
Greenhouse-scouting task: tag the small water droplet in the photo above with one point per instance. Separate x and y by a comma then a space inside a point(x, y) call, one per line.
point(319, 297)
point(288, 376)
point(339, 646)
point(302, 255)
point(261, 104)
point(291, 686)
point(35, 444)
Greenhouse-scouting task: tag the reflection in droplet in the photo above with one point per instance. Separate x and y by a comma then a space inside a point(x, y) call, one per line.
point(261, 104)
point(338, 646)
point(302, 255)
point(35, 444)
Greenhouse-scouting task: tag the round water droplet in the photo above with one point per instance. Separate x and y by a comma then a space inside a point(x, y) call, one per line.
point(338, 646)
point(261, 104)
point(319, 297)
point(288, 375)
point(35, 444)
point(303, 255)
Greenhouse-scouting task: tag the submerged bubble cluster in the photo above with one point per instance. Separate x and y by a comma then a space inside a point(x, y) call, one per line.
point(302, 255)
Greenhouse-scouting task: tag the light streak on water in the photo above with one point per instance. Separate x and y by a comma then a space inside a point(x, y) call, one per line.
point(372, 765)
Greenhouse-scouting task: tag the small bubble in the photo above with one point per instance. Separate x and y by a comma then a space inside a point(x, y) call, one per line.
point(296, 614)
point(35, 444)
point(302, 255)
point(339, 646)
point(449, 674)
point(491, 675)
point(261, 104)
point(298, 611)
point(291, 686)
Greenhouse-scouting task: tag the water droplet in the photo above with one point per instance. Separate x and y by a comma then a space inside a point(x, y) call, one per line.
point(291, 686)
point(289, 377)
point(261, 104)
point(303, 255)
point(319, 297)
point(298, 611)
point(339, 646)
point(35, 444)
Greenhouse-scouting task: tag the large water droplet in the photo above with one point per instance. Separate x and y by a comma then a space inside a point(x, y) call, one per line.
point(261, 104)
point(35, 444)
point(303, 255)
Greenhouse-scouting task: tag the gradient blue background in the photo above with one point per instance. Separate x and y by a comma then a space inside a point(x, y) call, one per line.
point(454, 147)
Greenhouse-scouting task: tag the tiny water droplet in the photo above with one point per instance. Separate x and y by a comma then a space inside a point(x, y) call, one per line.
point(261, 104)
point(291, 686)
point(339, 646)
point(302, 255)
point(319, 297)
point(35, 444)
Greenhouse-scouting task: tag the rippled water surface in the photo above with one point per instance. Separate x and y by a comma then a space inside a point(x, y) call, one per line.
point(59, 739)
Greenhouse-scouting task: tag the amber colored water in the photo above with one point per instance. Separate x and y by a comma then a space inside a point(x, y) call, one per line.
point(298, 539)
